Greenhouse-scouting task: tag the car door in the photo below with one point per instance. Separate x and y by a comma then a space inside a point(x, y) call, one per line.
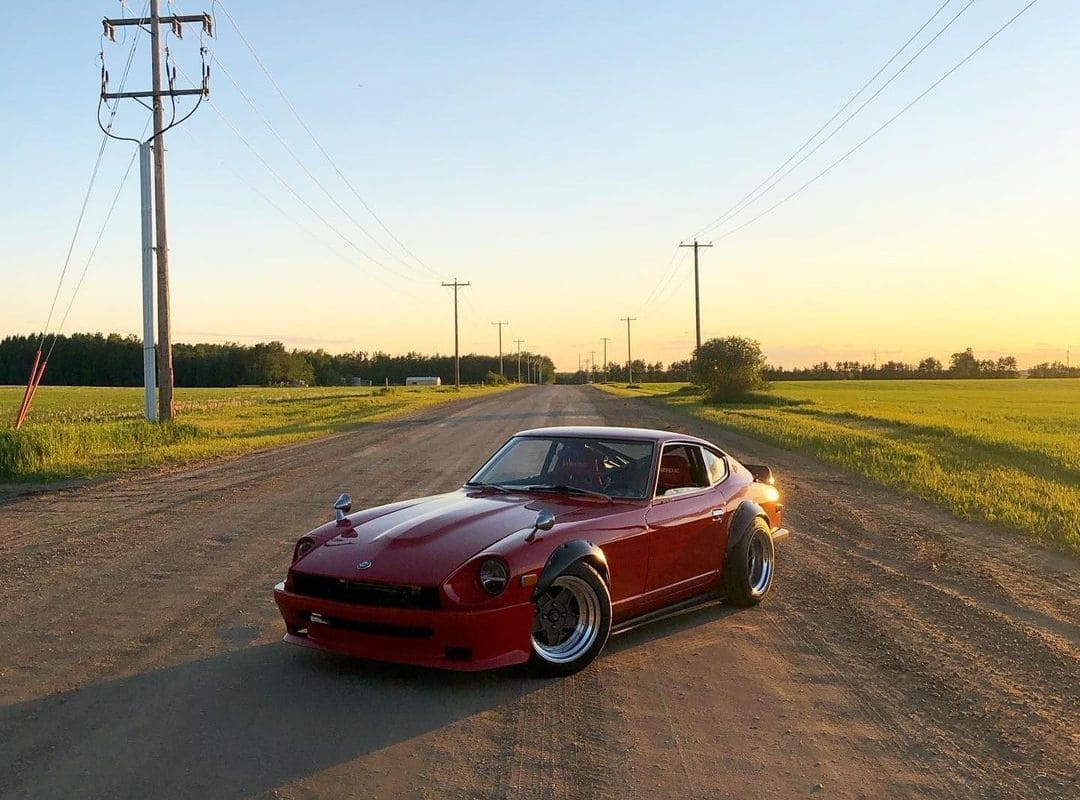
point(685, 526)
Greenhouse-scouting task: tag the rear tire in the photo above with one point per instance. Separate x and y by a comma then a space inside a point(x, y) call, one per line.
point(750, 565)
point(572, 622)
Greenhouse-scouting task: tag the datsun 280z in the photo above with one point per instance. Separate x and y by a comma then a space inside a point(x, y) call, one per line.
point(563, 537)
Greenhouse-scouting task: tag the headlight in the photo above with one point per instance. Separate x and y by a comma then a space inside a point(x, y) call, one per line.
point(302, 547)
point(494, 576)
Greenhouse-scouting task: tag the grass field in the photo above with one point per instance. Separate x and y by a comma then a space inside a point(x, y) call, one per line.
point(1005, 451)
point(83, 431)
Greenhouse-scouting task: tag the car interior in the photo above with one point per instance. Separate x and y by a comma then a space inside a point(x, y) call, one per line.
point(682, 469)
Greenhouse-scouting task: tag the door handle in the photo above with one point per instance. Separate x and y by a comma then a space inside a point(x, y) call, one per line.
point(718, 514)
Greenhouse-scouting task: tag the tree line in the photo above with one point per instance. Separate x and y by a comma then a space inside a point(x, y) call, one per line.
point(650, 372)
point(95, 359)
point(961, 365)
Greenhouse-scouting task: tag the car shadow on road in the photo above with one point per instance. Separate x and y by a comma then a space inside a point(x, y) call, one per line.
point(232, 725)
point(244, 722)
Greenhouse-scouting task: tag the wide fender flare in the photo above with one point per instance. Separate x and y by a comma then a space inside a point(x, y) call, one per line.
point(566, 554)
point(741, 522)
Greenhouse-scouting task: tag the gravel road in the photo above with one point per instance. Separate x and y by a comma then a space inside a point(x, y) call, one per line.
point(902, 654)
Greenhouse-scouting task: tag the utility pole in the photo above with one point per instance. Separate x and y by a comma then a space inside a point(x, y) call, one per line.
point(519, 342)
point(149, 355)
point(164, 318)
point(605, 340)
point(500, 324)
point(592, 366)
point(629, 361)
point(457, 355)
point(697, 291)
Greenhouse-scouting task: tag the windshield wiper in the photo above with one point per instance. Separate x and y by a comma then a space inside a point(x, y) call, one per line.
point(565, 489)
point(482, 485)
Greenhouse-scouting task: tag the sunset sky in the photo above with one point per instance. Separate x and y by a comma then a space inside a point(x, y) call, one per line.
point(554, 155)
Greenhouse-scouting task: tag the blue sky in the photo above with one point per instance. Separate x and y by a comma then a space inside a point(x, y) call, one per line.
point(553, 155)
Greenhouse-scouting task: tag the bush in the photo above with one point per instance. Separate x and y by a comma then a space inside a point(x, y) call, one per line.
point(495, 379)
point(728, 368)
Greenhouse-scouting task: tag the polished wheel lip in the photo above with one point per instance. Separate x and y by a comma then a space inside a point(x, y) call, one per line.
point(584, 634)
point(759, 566)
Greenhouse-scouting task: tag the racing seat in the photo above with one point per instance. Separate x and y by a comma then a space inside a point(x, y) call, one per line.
point(579, 466)
point(674, 474)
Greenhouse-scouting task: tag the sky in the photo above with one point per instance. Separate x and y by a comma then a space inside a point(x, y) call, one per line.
point(553, 156)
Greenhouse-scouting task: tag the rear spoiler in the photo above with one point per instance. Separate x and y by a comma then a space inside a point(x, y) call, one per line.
point(761, 473)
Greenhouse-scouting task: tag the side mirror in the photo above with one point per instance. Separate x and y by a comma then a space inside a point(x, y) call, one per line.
point(342, 506)
point(545, 521)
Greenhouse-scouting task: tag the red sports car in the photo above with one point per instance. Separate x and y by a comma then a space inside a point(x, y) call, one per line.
point(564, 536)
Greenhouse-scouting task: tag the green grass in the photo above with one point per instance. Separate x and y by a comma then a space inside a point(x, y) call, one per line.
point(84, 431)
point(1004, 451)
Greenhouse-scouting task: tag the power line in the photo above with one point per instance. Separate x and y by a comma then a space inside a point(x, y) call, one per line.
point(847, 119)
point(288, 187)
point(882, 127)
point(740, 204)
point(94, 248)
point(89, 187)
point(292, 218)
point(668, 282)
point(664, 275)
point(288, 148)
point(317, 143)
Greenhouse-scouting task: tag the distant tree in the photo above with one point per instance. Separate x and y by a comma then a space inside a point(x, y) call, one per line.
point(728, 368)
point(1056, 369)
point(964, 365)
point(1006, 367)
point(929, 367)
point(492, 378)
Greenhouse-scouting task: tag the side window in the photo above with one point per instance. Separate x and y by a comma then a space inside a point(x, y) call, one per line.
point(682, 469)
point(715, 466)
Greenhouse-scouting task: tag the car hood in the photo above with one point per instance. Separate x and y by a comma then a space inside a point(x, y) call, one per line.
point(422, 543)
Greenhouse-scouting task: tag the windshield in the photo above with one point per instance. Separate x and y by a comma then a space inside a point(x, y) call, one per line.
point(614, 467)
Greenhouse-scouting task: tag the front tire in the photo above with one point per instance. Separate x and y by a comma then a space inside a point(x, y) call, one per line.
point(750, 565)
point(572, 622)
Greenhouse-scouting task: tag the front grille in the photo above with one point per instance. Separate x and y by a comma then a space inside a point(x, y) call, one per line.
point(365, 593)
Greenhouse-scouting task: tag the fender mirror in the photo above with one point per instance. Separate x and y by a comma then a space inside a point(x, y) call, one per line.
point(545, 521)
point(342, 506)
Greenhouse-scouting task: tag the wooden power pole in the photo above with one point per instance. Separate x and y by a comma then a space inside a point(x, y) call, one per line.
point(161, 238)
point(697, 292)
point(629, 360)
point(457, 352)
point(519, 342)
point(605, 340)
point(500, 324)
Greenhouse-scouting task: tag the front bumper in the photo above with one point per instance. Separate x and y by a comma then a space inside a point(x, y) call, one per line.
point(459, 640)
